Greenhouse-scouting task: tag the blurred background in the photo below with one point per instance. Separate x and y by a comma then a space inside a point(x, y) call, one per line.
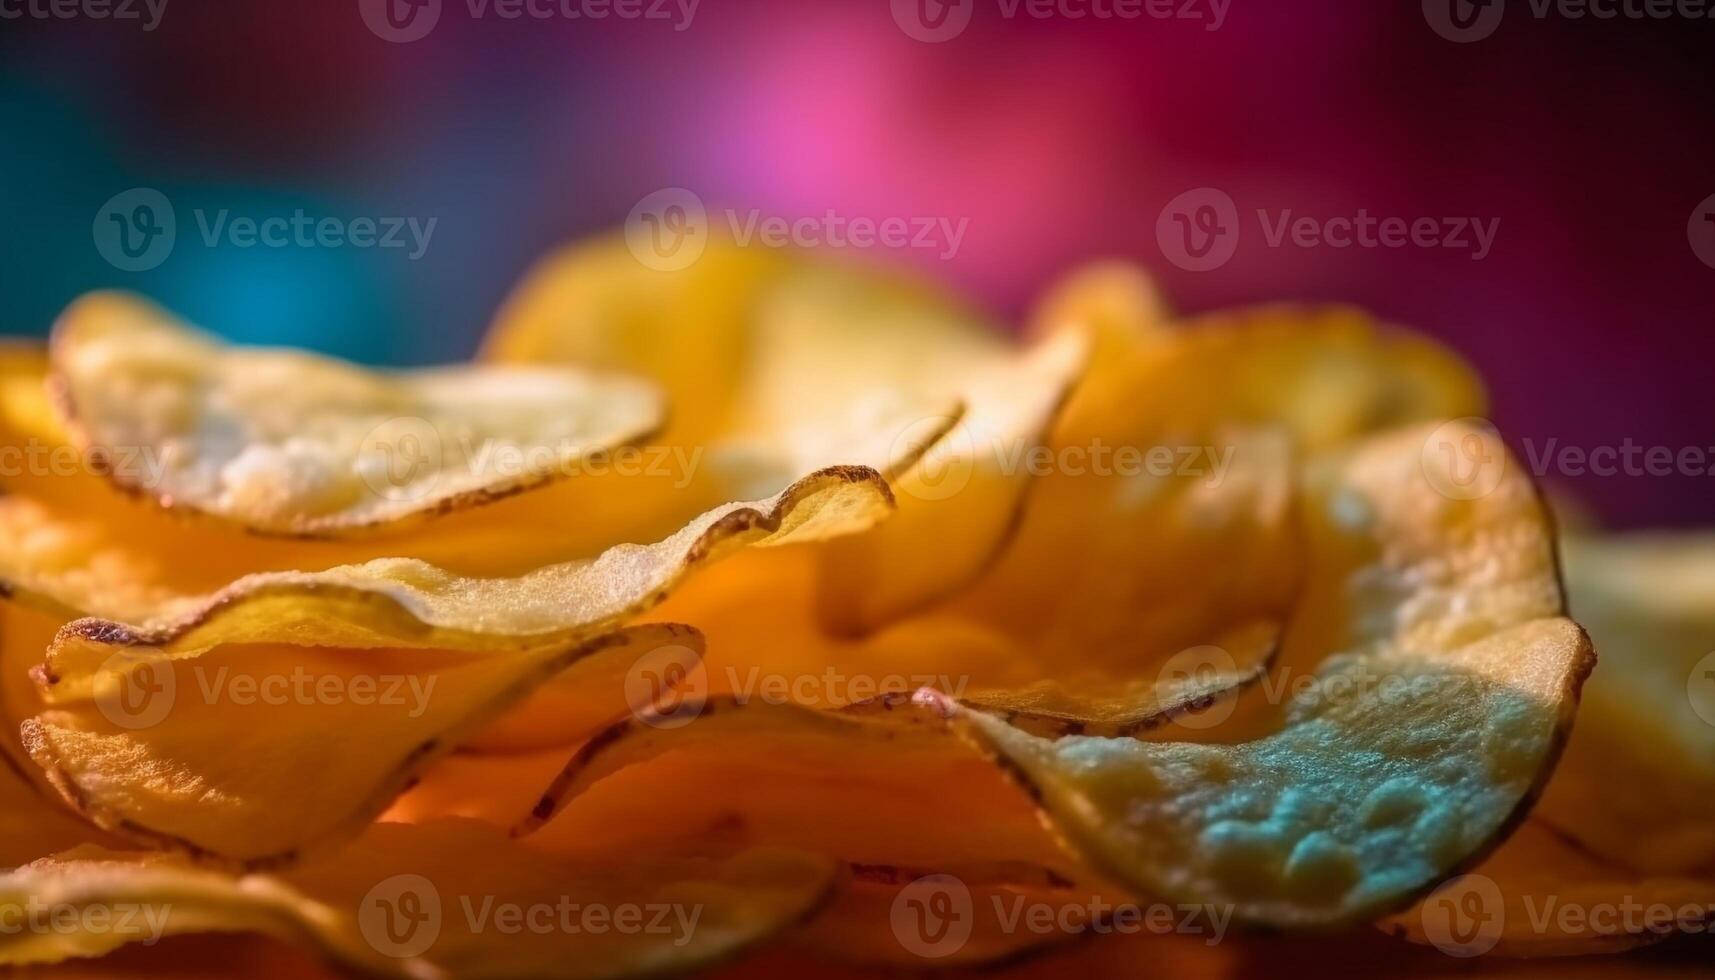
point(1043, 133)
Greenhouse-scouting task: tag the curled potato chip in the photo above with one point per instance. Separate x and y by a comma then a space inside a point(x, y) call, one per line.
point(286, 442)
point(410, 603)
point(33, 824)
point(69, 541)
point(1445, 679)
point(155, 780)
point(767, 643)
point(862, 784)
point(250, 755)
point(1172, 464)
point(594, 303)
point(1619, 852)
point(1541, 894)
point(1190, 681)
point(1114, 302)
point(964, 494)
point(783, 332)
point(1638, 782)
point(407, 901)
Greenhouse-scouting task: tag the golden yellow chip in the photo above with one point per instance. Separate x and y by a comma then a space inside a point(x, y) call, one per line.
point(250, 755)
point(769, 342)
point(286, 442)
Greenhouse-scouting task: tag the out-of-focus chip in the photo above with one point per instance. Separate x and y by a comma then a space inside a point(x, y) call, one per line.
point(1621, 850)
point(410, 901)
point(33, 825)
point(1638, 782)
point(286, 442)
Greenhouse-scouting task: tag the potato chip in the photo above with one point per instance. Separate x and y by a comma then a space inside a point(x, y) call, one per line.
point(408, 901)
point(1164, 516)
point(286, 442)
point(251, 754)
point(1128, 688)
point(409, 603)
point(1638, 782)
point(1619, 852)
point(789, 331)
point(51, 556)
point(867, 790)
point(1114, 302)
point(964, 495)
point(1444, 683)
point(33, 824)
point(1190, 681)
point(594, 304)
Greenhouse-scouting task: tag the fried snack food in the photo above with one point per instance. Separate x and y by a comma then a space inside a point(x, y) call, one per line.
point(1248, 613)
